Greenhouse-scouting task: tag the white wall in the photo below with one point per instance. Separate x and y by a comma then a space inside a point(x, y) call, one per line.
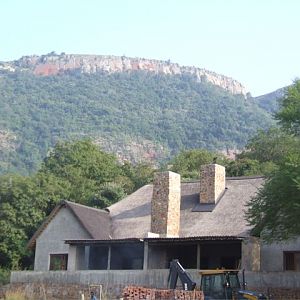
point(272, 254)
point(62, 227)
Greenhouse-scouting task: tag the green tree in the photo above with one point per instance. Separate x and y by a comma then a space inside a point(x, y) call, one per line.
point(24, 203)
point(187, 163)
point(77, 171)
point(82, 158)
point(82, 167)
point(108, 193)
point(139, 174)
point(22, 208)
point(274, 212)
point(243, 167)
point(271, 145)
point(289, 113)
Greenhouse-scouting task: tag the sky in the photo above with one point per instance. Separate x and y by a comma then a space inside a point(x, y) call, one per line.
point(253, 41)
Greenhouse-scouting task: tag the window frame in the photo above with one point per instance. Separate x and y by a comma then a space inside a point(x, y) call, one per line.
point(64, 261)
point(296, 268)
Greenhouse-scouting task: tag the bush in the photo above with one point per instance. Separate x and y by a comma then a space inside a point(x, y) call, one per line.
point(4, 276)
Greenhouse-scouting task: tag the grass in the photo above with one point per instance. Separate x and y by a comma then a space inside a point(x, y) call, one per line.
point(15, 295)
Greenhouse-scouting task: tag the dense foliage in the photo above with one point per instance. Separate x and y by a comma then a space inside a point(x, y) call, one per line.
point(187, 164)
point(174, 112)
point(289, 114)
point(269, 102)
point(81, 167)
point(75, 171)
point(268, 146)
point(275, 211)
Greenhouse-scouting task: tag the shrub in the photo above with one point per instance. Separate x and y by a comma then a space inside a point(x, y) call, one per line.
point(4, 276)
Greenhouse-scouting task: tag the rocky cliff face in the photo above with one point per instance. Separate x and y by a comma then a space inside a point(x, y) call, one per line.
point(7, 140)
point(52, 64)
point(135, 150)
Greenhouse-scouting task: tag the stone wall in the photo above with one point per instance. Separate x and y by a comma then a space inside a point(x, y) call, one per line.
point(40, 291)
point(165, 204)
point(50, 291)
point(212, 183)
point(67, 285)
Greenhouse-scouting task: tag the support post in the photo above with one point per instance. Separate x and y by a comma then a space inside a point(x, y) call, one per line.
point(72, 258)
point(198, 256)
point(146, 251)
point(108, 257)
point(87, 257)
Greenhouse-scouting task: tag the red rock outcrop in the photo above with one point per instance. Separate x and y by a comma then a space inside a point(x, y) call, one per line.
point(52, 64)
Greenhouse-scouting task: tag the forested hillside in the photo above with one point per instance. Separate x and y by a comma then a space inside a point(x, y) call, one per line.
point(138, 115)
point(269, 102)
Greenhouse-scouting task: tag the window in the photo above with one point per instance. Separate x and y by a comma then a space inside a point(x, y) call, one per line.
point(291, 261)
point(213, 286)
point(98, 258)
point(127, 256)
point(58, 262)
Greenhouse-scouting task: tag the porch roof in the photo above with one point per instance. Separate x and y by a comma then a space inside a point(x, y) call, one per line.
point(154, 240)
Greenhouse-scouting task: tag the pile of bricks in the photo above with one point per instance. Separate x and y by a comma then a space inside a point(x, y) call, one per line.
point(137, 292)
point(189, 295)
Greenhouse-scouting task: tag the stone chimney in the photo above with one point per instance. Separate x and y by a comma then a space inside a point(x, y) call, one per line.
point(212, 183)
point(165, 205)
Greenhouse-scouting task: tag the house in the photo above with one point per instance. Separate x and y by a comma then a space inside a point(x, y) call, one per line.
point(201, 223)
point(67, 220)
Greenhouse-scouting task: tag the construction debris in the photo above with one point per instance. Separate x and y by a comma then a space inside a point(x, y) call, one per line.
point(137, 293)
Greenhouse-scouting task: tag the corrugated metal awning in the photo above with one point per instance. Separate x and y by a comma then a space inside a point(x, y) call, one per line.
point(155, 240)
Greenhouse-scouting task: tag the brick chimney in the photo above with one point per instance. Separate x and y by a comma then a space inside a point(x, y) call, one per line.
point(165, 205)
point(212, 183)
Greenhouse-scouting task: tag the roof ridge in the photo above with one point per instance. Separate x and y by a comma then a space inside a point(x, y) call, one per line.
point(229, 178)
point(245, 177)
point(84, 206)
point(72, 206)
point(130, 195)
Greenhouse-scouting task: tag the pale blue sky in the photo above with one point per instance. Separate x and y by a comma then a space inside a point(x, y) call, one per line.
point(254, 41)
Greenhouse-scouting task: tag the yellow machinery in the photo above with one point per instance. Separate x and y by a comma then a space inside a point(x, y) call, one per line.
point(225, 285)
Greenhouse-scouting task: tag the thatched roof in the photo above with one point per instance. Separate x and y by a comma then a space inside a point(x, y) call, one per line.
point(131, 216)
point(95, 221)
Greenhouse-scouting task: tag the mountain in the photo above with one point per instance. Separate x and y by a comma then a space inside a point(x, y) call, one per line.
point(53, 64)
point(137, 108)
point(269, 102)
